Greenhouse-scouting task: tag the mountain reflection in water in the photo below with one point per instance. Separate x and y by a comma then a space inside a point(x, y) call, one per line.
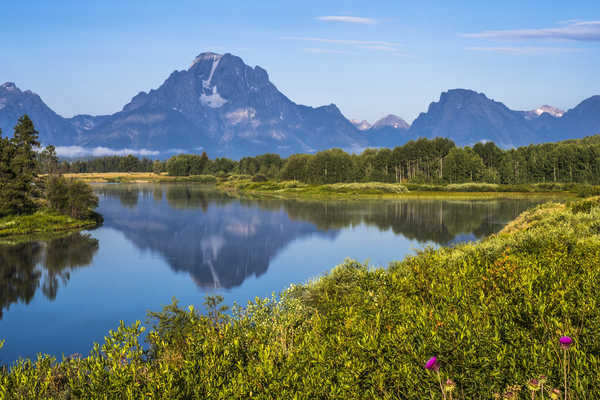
point(220, 240)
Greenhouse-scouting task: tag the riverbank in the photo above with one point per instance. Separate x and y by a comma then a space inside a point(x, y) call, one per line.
point(42, 224)
point(376, 190)
point(491, 312)
point(245, 184)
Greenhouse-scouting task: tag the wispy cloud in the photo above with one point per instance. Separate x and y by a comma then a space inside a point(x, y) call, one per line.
point(327, 51)
point(349, 19)
point(585, 31)
point(349, 46)
point(341, 41)
point(78, 151)
point(530, 50)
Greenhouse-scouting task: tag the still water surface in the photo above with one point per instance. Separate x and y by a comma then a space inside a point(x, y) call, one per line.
point(187, 241)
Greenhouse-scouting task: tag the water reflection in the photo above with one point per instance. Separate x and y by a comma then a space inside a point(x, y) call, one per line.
point(221, 241)
point(218, 240)
point(26, 267)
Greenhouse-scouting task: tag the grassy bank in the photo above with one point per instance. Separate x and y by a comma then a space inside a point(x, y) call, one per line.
point(43, 223)
point(245, 185)
point(492, 312)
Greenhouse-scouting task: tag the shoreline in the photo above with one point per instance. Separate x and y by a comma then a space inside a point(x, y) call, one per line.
point(341, 191)
point(43, 224)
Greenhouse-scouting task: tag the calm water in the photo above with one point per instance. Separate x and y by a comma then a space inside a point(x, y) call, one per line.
point(186, 241)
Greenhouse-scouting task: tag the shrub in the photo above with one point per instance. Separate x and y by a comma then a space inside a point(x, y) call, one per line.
point(70, 197)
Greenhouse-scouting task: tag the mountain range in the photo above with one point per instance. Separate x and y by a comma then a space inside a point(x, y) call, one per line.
point(227, 108)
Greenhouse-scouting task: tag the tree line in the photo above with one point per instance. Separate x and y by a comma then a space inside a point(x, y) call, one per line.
point(434, 161)
point(23, 190)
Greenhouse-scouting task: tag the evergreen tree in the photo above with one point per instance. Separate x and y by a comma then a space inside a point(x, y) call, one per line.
point(19, 169)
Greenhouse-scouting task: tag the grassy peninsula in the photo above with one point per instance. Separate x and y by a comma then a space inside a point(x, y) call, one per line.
point(42, 223)
point(491, 312)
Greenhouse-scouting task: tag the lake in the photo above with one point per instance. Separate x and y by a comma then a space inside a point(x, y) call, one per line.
point(188, 241)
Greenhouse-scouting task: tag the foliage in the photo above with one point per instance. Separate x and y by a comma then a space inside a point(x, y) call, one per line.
point(18, 167)
point(492, 313)
point(71, 197)
point(42, 221)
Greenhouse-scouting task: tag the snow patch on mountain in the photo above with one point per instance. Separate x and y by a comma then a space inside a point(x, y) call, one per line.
point(361, 125)
point(241, 115)
point(555, 112)
point(215, 59)
point(213, 100)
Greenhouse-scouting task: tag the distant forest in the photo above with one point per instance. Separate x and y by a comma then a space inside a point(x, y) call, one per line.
point(436, 161)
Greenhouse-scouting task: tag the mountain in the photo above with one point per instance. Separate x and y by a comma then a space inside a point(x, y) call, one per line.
point(391, 121)
point(468, 117)
point(361, 125)
point(225, 107)
point(582, 120)
point(14, 103)
point(389, 131)
point(545, 109)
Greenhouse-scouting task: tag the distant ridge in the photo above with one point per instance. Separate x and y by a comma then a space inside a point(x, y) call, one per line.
point(227, 108)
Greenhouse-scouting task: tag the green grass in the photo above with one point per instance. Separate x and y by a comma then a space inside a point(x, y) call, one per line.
point(492, 312)
point(296, 187)
point(245, 185)
point(40, 224)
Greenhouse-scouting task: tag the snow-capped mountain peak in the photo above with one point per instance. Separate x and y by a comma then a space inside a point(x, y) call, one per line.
point(363, 125)
point(555, 112)
point(214, 57)
point(392, 121)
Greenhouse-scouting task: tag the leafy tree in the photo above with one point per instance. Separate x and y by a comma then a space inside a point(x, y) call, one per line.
point(463, 165)
point(48, 160)
point(71, 197)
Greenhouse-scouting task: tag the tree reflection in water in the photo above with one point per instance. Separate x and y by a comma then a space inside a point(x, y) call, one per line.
point(26, 267)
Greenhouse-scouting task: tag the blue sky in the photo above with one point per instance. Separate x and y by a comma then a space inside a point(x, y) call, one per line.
point(369, 58)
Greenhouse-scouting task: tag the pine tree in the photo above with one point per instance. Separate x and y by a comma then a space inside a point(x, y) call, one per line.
point(18, 169)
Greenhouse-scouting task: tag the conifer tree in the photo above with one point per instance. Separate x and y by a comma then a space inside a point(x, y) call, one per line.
point(18, 169)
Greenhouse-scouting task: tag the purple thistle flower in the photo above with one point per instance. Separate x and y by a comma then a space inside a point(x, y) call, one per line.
point(565, 342)
point(432, 364)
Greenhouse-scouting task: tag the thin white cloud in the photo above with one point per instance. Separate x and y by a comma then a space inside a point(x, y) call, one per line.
point(585, 31)
point(391, 49)
point(348, 19)
point(341, 41)
point(78, 151)
point(530, 50)
point(327, 51)
point(351, 46)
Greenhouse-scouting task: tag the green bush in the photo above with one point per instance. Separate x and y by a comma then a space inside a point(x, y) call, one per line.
point(71, 197)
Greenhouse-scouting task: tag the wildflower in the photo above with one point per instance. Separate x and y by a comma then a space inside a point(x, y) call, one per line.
point(449, 386)
point(432, 364)
point(543, 379)
point(555, 394)
point(533, 385)
point(565, 342)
